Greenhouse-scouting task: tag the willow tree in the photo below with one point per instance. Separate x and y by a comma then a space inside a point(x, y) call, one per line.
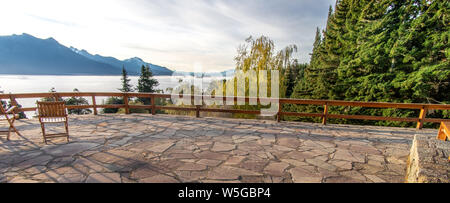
point(260, 56)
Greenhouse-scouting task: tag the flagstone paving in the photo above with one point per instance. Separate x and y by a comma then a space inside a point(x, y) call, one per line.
point(166, 148)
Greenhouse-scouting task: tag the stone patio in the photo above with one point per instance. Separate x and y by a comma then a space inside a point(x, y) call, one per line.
point(165, 148)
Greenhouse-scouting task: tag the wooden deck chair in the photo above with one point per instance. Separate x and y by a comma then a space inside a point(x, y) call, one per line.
point(53, 112)
point(10, 115)
point(444, 131)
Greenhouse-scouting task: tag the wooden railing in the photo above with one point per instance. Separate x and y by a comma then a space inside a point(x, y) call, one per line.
point(199, 108)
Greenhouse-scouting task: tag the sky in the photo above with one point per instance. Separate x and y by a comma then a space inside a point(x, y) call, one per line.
point(178, 34)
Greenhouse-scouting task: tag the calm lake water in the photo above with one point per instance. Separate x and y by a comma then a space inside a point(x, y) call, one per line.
point(33, 84)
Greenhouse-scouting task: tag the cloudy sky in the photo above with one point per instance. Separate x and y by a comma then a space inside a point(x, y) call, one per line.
point(172, 33)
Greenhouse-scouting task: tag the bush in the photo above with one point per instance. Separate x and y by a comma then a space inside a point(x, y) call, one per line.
point(112, 100)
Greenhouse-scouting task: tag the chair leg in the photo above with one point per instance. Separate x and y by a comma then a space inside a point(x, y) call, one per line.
point(67, 130)
point(12, 128)
point(43, 132)
point(9, 133)
point(16, 131)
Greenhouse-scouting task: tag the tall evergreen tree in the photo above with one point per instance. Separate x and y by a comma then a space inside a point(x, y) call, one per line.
point(383, 50)
point(126, 86)
point(146, 83)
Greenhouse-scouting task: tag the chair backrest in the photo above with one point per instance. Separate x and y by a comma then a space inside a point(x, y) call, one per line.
point(52, 109)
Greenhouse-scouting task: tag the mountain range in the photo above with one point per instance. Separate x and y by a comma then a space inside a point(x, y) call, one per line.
point(28, 55)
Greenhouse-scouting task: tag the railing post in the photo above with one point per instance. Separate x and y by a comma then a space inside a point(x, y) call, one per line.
point(127, 107)
point(153, 104)
point(325, 114)
point(94, 103)
point(56, 97)
point(423, 113)
point(197, 111)
point(279, 111)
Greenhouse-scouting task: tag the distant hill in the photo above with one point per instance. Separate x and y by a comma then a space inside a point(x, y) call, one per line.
point(225, 73)
point(28, 55)
point(133, 65)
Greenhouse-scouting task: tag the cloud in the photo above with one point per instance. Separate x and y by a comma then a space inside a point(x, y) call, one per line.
point(53, 20)
point(173, 33)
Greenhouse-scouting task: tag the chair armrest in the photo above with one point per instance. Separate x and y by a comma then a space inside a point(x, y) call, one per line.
point(8, 111)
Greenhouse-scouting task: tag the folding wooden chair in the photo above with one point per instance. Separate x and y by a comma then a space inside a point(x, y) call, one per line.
point(9, 115)
point(444, 131)
point(53, 112)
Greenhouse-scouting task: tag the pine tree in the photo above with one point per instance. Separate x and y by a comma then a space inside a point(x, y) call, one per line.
point(316, 46)
point(321, 75)
point(289, 81)
point(425, 49)
point(146, 83)
point(126, 86)
point(386, 50)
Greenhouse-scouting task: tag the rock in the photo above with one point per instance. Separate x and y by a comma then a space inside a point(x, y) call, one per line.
point(341, 179)
point(209, 162)
point(345, 165)
point(35, 170)
point(161, 147)
point(321, 164)
point(144, 172)
point(365, 149)
point(20, 179)
point(38, 161)
point(234, 160)
point(180, 156)
point(211, 155)
point(276, 168)
point(282, 148)
point(375, 178)
point(300, 156)
point(222, 147)
point(354, 175)
point(346, 155)
point(159, 179)
point(71, 178)
point(294, 162)
point(291, 142)
point(300, 175)
point(192, 167)
point(104, 178)
point(112, 156)
point(191, 176)
point(230, 173)
point(69, 149)
point(254, 165)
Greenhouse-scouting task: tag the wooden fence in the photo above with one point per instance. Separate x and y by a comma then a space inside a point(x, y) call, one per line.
point(199, 108)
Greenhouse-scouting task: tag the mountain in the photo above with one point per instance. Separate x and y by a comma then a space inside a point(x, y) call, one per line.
point(132, 65)
point(27, 55)
point(225, 73)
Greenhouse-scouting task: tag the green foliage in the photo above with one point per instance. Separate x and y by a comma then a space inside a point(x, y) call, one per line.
point(260, 55)
point(386, 51)
point(122, 110)
point(112, 101)
point(126, 86)
point(146, 83)
point(78, 101)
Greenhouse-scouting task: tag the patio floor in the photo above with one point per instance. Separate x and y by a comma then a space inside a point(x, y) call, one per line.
point(166, 148)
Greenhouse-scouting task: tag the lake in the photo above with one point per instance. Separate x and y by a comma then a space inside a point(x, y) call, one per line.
point(34, 84)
